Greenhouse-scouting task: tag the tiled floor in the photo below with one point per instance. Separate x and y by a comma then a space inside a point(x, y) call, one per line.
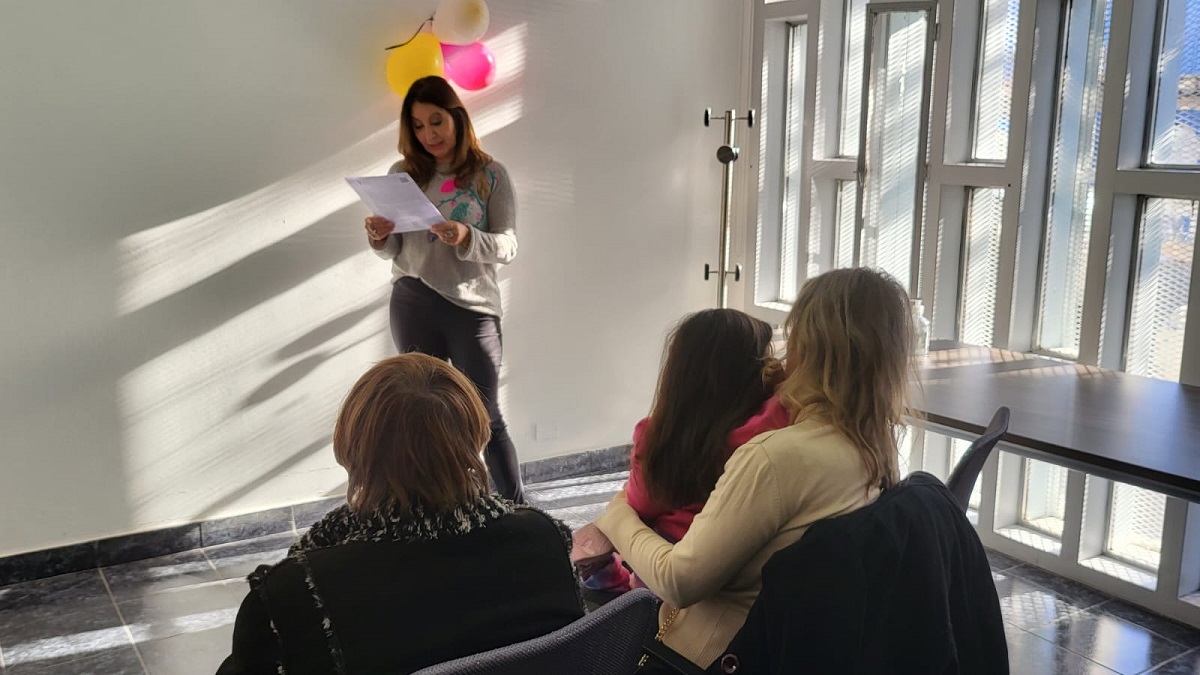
point(174, 615)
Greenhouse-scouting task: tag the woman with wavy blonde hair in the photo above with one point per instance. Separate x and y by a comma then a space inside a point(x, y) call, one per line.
point(845, 388)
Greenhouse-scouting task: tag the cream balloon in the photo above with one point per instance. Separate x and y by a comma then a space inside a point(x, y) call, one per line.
point(460, 22)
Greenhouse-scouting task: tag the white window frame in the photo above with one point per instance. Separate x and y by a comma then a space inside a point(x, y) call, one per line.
point(1123, 178)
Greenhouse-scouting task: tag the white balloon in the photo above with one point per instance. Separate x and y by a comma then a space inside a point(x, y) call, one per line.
point(460, 22)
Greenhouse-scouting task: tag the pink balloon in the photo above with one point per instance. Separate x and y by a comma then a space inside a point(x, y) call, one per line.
point(471, 67)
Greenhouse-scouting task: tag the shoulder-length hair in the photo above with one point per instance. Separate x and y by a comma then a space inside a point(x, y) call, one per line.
point(469, 158)
point(716, 374)
point(410, 434)
point(848, 345)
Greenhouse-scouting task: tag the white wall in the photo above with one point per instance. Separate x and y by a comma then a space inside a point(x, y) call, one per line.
point(185, 288)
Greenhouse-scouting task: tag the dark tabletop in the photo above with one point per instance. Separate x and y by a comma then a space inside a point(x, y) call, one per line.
point(1128, 428)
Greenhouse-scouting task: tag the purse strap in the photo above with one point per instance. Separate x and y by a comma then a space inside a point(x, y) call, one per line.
point(662, 631)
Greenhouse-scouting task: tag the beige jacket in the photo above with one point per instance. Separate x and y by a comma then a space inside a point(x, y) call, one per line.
point(773, 488)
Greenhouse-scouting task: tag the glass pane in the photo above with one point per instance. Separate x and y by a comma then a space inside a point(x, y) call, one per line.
point(853, 50)
point(993, 83)
point(893, 152)
point(1044, 499)
point(981, 260)
point(847, 206)
point(904, 448)
point(1135, 525)
point(958, 448)
point(793, 180)
point(1160, 288)
point(1176, 126)
point(1069, 221)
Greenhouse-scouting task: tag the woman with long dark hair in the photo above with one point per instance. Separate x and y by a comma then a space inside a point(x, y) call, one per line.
point(715, 393)
point(445, 295)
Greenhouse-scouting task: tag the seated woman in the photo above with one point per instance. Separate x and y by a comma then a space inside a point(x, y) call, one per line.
point(715, 393)
point(847, 374)
point(421, 565)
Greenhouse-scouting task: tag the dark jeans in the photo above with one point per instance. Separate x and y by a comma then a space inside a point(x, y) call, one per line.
point(424, 321)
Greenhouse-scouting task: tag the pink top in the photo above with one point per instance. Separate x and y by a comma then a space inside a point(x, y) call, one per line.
point(674, 523)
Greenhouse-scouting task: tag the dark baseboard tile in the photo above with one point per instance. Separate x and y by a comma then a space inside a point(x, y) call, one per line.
point(142, 545)
point(308, 513)
point(246, 526)
point(50, 562)
point(578, 464)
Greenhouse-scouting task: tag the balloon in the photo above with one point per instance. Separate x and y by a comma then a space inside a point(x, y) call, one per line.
point(471, 67)
point(460, 22)
point(419, 58)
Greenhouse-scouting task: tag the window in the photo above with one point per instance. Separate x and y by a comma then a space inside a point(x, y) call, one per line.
point(781, 124)
point(1073, 181)
point(854, 49)
point(994, 79)
point(1044, 498)
point(958, 450)
point(1135, 525)
point(793, 182)
point(981, 257)
point(1160, 288)
point(1042, 194)
point(847, 207)
point(893, 155)
point(1175, 124)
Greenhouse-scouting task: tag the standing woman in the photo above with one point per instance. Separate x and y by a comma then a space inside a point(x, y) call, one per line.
point(445, 296)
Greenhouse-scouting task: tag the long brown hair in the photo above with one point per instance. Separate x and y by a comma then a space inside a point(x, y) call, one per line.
point(849, 336)
point(410, 434)
point(716, 374)
point(469, 158)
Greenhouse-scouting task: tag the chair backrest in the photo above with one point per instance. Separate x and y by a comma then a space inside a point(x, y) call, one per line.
point(966, 472)
point(902, 585)
point(608, 641)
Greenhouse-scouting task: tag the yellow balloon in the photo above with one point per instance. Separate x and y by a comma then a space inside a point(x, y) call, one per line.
point(420, 58)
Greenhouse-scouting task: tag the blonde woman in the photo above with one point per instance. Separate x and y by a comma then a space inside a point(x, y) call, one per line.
point(845, 388)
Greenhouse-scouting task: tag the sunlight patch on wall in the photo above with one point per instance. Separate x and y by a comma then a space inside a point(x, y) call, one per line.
point(156, 263)
point(249, 397)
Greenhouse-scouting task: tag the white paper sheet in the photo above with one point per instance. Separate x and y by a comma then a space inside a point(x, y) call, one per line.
point(397, 198)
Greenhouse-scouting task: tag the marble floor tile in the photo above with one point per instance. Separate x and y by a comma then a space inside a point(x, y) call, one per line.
point(146, 577)
point(1029, 654)
point(35, 637)
point(239, 559)
point(1001, 562)
point(1113, 643)
point(116, 661)
point(75, 589)
point(590, 512)
point(1175, 632)
point(188, 654)
point(191, 609)
point(1188, 664)
point(1028, 606)
point(1078, 594)
point(174, 615)
point(600, 490)
point(569, 517)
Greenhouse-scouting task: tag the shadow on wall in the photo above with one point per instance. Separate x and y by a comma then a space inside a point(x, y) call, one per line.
point(187, 358)
point(293, 390)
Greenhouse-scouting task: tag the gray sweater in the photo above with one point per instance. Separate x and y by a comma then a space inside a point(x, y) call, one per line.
point(465, 274)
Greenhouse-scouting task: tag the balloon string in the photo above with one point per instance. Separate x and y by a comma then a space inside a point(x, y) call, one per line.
point(414, 36)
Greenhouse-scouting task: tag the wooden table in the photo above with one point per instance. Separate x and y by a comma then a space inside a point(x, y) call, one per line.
point(1123, 427)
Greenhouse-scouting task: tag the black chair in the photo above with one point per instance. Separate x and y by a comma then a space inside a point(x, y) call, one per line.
point(966, 472)
point(902, 585)
point(608, 641)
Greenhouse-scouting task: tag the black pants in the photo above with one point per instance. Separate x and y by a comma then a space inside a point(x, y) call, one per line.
point(424, 321)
